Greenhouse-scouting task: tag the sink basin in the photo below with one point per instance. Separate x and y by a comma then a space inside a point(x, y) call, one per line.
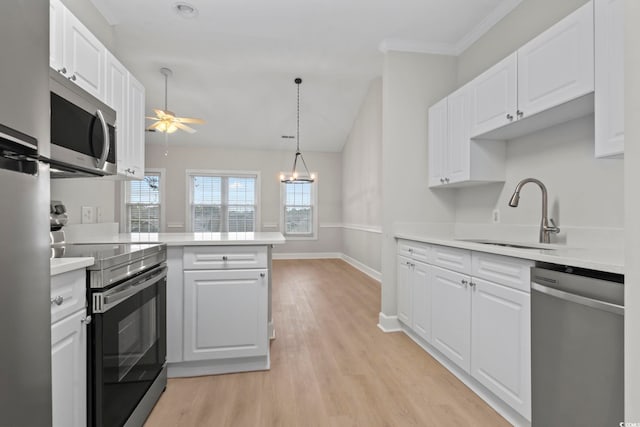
point(519, 245)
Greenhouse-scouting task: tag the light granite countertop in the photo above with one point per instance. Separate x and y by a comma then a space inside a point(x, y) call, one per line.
point(191, 239)
point(601, 259)
point(64, 265)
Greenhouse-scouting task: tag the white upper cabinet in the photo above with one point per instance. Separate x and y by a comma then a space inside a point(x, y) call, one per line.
point(117, 97)
point(609, 94)
point(494, 97)
point(454, 158)
point(136, 129)
point(84, 57)
point(558, 65)
point(56, 36)
point(549, 80)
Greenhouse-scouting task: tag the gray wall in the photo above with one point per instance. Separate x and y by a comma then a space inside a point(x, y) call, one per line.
point(87, 13)
point(411, 83)
point(362, 183)
point(269, 164)
point(632, 211)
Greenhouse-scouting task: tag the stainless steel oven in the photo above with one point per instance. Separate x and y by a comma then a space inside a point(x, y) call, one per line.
point(128, 348)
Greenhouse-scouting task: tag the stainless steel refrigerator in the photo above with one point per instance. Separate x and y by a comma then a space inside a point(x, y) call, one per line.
point(25, 319)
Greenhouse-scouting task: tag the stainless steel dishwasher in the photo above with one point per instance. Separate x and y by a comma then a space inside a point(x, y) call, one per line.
point(577, 347)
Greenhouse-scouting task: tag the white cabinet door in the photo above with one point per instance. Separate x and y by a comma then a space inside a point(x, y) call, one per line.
point(451, 316)
point(136, 128)
point(500, 342)
point(558, 65)
point(437, 143)
point(84, 57)
point(56, 35)
point(225, 314)
point(609, 93)
point(494, 97)
point(404, 296)
point(458, 147)
point(117, 97)
point(69, 371)
point(421, 304)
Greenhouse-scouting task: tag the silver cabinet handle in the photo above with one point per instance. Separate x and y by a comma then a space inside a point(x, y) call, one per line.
point(107, 141)
point(510, 117)
point(57, 300)
point(262, 274)
point(86, 320)
point(446, 180)
point(464, 282)
point(63, 70)
point(72, 78)
point(411, 250)
point(225, 258)
point(473, 285)
point(520, 114)
point(442, 180)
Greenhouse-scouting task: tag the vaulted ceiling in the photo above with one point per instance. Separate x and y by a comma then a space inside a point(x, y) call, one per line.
point(234, 63)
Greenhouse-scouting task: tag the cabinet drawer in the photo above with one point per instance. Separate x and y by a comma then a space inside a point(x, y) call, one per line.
point(451, 258)
point(512, 272)
point(68, 293)
point(415, 250)
point(224, 257)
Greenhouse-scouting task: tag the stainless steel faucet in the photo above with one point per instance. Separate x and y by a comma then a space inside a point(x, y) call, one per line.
point(545, 229)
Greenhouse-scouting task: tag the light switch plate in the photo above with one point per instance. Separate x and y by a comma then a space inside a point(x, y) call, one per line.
point(495, 216)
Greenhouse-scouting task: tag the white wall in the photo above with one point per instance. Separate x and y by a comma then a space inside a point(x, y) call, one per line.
point(632, 212)
point(77, 192)
point(362, 182)
point(269, 164)
point(87, 13)
point(411, 83)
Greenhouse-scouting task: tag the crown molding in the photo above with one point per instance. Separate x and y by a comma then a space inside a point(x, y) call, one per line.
point(503, 9)
point(414, 46)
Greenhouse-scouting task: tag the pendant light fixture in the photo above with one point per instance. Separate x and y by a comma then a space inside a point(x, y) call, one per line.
point(298, 176)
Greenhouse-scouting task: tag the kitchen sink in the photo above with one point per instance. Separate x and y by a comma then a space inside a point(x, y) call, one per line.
point(519, 245)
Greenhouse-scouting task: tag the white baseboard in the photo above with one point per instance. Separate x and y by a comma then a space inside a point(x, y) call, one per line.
point(375, 275)
point(491, 399)
point(219, 366)
point(307, 255)
point(388, 323)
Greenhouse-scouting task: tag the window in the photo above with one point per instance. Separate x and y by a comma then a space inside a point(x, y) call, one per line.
point(223, 201)
point(299, 217)
point(142, 206)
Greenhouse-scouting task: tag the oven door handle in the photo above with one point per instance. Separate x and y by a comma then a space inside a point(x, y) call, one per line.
point(110, 300)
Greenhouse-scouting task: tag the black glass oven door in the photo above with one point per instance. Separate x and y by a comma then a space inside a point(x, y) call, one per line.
point(128, 350)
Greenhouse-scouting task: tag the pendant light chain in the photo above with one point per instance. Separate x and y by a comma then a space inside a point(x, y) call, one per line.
point(298, 81)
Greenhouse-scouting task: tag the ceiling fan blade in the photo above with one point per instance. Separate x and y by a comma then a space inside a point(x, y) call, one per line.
point(154, 126)
point(184, 127)
point(159, 113)
point(189, 120)
point(153, 118)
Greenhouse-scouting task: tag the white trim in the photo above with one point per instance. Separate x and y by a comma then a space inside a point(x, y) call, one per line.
point(270, 225)
point(361, 227)
point(220, 366)
point(227, 173)
point(375, 275)
point(503, 9)
point(331, 225)
point(307, 255)
point(506, 411)
point(414, 46)
point(388, 323)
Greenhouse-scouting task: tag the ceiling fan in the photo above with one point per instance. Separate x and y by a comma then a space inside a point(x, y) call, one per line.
point(165, 120)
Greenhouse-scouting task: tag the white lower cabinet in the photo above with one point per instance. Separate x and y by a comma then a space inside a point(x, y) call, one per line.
point(68, 371)
point(500, 343)
point(478, 316)
point(225, 314)
point(451, 316)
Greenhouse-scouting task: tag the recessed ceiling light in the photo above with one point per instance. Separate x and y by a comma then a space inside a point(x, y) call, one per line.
point(186, 10)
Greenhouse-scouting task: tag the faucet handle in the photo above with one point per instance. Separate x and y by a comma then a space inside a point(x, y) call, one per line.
point(554, 228)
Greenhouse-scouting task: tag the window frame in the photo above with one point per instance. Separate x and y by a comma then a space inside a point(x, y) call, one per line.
point(125, 225)
point(225, 173)
point(314, 211)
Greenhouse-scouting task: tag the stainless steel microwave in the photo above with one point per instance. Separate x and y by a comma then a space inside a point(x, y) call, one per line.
point(83, 134)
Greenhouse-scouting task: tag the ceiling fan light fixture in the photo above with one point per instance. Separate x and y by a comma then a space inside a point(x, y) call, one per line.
point(186, 10)
point(296, 175)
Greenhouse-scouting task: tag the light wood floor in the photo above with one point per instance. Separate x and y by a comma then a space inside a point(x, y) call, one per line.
point(330, 366)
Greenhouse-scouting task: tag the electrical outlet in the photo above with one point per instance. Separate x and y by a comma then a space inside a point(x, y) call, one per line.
point(495, 216)
point(88, 215)
point(98, 214)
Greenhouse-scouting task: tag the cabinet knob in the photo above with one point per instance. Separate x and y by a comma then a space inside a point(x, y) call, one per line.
point(411, 250)
point(57, 300)
point(510, 117)
point(473, 285)
point(86, 320)
point(262, 274)
point(464, 282)
point(62, 70)
point(520, 114)
point(225, 258)
point(73, 78)
point(446, 180)
point(442, 180)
